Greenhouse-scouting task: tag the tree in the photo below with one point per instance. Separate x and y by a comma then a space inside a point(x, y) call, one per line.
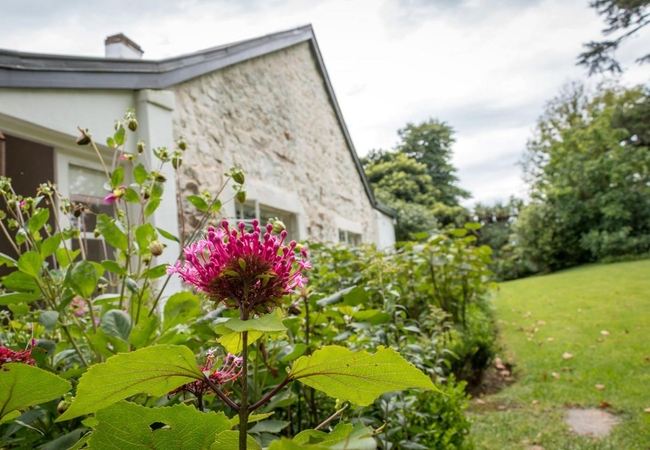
point(625, 16)
point(589, 178)
point(430, 143)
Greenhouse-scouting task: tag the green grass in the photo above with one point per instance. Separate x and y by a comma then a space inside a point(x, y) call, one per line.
point(540, 319)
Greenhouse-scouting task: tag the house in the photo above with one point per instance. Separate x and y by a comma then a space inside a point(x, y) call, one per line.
point(265, 103)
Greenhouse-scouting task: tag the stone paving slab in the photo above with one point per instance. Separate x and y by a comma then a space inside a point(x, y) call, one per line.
point(593, 422)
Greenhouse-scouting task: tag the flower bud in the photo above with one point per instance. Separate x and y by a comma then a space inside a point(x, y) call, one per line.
point(177, 161)
point(182, 144)
point(62, 406)
point(141, 146)
point(156, 248)
point(238, 176)
point(96, 233)
point(241, 196)
point(278, 226)
point(132, 124)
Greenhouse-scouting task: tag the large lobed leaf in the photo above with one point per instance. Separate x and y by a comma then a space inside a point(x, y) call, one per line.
point(358, 377)
point(127, 426)
point(153, 370)
point(22, 385)
point(343, 436)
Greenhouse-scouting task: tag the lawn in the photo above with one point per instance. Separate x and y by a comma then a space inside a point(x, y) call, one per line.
point(565, 334)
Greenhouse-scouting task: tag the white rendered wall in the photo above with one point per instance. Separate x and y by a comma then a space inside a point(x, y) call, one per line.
point(385, 231)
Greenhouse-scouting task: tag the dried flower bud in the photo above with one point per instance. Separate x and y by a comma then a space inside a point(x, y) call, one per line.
point(294, 309)
point(83, 140)
point(141, 146)
point(77, 212)
point(156, 248)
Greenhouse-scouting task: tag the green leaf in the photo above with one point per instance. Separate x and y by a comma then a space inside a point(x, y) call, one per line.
point(11, 416)
point(114, 267)
point(229, 440)
point(21, 282)
point(49, 245)
point(117, 177)
point(269, 426)
point(473, 226)
point(38, 220)
point(116, 323)
point(48, 319)
point(127, 426)
point(18, 297)
point(266, 323)
point(151, 207)
point(140, 174)
point(168, 235)
point(65, 442)
point(180, 308)
point(335, 298)
point(22, 386)
point(111, 232)
point(131, 285)
point(119, 136)
point(156, 272)
point(30, 263)
point(157, 189)
point(198, 202)
point(358, 377)
point(65, 257)
point(232, 341)
point(105, 299)
point(111, 142)
point(83, 278)
point(153, 370)
point(144, 332)
point(131, 196)
point(343, 436)
point(296, 351)
point(6, 260)
point(144, 234)
point(216, 206)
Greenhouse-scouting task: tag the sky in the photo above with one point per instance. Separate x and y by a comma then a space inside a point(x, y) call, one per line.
point(486, 67)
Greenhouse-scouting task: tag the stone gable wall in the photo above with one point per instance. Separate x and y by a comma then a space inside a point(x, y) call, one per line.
point(272, 115)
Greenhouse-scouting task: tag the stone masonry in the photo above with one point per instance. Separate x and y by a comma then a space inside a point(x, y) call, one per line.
point(273, 115)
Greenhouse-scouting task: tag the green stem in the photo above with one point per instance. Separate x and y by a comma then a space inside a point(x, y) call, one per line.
point(244, 411)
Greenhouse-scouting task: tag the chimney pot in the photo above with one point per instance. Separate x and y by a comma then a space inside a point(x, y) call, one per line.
point(120, 46)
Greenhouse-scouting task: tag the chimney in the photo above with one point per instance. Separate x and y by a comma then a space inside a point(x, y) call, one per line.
point(120, 46)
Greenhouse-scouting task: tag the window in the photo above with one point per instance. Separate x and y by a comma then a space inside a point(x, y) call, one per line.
point(86, 188)
point(254, 210)
point(350, 238)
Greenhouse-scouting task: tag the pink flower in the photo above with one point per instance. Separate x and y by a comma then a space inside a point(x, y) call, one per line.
point(78, 306)
point(242, 271)
point(20, 356)
point(230, 371)
point(116, 195)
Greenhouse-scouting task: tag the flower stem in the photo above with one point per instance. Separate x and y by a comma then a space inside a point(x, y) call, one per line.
point(244, 411)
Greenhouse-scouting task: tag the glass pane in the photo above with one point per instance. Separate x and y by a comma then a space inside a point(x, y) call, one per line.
point(287, 219)
point(342, 237)
point(86, 187)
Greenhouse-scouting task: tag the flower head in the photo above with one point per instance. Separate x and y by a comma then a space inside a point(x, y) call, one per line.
point(78, 306)
point(21, 356)
point(116, 195)
point(241, 270)
point(230, 370)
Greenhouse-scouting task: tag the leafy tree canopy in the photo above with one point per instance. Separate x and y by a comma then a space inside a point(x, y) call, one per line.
point(589, 172)
point(623, 18)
